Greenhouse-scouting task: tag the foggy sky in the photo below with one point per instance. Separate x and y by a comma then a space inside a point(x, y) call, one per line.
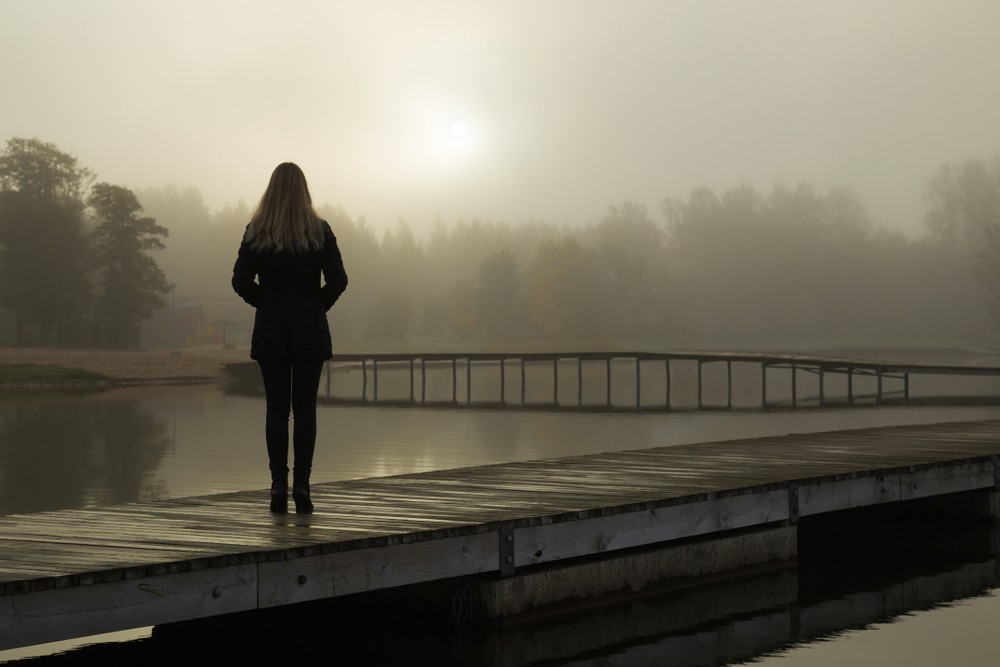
point(570, 106)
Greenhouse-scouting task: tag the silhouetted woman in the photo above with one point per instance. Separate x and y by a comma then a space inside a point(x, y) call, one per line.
point(286, 247)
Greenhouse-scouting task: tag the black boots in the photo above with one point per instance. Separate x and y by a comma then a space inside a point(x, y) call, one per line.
point(279, 494)
point(300, 494)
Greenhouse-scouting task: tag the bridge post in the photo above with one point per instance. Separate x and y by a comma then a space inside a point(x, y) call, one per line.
point(454, 380)
point(375, 380)
point(878, 396)
point(501, 382)
point(820, 386)
point(468, 381)
point(609, 381)
point(763, 384)
point(522, 382)
point(667, 363)
point(423, 381)
point(699, 384)
point(729, 384)
point(555, 381)
point(579, 382)
point(906, 385)
point(411, 380)
point(850, 385)
point(793, 386)
point(364, 380)
point(638, 387)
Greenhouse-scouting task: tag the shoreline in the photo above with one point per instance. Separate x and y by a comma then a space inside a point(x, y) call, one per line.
point(124, 368)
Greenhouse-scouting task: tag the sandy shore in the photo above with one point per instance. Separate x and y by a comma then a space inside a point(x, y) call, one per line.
point(202, 362)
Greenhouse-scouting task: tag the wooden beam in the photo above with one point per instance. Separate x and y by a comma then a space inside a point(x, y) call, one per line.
point(48, 616)
point(361, 570)
point(570, 539)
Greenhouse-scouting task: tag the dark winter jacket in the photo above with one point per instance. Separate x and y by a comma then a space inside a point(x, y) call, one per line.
point(291, 305)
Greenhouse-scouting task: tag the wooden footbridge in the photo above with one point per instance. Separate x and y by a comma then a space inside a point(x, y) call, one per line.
point(79, 572)
point(820, 366)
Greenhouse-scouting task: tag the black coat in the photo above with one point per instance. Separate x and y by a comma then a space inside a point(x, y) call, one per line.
point(291, 305)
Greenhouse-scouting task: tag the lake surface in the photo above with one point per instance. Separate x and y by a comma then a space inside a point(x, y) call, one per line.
point(62, 451)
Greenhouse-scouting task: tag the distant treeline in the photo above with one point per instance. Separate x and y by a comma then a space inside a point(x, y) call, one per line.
point(790, 268)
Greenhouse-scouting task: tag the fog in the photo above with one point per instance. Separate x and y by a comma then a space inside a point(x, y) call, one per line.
point(571, 106)
point(451, 144)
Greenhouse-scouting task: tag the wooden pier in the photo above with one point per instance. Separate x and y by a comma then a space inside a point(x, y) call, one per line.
point(78, 572)
point(820, 366)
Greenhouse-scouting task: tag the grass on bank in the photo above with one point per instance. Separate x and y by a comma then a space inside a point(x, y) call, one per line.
point(46, 373)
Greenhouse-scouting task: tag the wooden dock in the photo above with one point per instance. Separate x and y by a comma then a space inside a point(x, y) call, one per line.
point(817, 365)
point(80, 572)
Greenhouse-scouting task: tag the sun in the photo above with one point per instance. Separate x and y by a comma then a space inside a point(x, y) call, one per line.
point(458, 127)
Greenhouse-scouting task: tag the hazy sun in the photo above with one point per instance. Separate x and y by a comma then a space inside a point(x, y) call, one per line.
point(458, 127)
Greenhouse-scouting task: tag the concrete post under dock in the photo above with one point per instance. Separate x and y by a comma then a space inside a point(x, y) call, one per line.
point(548, 589)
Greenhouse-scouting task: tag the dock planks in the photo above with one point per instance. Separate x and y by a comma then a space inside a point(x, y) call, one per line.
point(389, 531)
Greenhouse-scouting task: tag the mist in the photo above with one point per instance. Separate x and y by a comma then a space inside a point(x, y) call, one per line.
point(702, 173)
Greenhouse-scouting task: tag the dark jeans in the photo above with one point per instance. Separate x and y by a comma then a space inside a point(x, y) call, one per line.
point(291, 384)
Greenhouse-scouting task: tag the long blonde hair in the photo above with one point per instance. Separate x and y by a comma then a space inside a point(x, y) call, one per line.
point(285, 219)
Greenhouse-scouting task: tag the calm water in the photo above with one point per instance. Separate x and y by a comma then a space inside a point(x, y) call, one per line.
point(64, 451)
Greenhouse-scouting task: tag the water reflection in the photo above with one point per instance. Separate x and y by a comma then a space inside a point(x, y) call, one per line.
point(57, 454)
point(168, 442)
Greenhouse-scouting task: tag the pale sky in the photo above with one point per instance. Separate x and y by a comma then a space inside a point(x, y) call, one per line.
point(567, 107)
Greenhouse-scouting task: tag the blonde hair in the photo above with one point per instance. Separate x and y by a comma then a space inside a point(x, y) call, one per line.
point(285, 219)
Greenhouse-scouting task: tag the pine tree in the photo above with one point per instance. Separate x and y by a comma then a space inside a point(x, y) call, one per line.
point(131, 280)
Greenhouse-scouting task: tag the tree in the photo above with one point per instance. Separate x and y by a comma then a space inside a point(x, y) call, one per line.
point(963, 202)
point(43, 248)
point(132, 282)
point(499, 300)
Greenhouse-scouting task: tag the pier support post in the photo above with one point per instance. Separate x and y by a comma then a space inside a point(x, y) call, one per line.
point(850, 385)
point(878, 395)
point(699, 384)
point(468, 381)
point(820, 386)
point(667, 364)
point(411, 380)
point(423, 381)
point(364, 380)
point(579, 382)
point(763, 385)
point(609, 381)
point(906, 385)
point(501, 383)
point(729, 384)
point(793, 386)
point(555, 381)
point(454, 380)
point(375, 380)
point(522, 382)
point(638, 386)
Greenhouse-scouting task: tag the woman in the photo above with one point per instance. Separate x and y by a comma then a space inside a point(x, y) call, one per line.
point(286, 247)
